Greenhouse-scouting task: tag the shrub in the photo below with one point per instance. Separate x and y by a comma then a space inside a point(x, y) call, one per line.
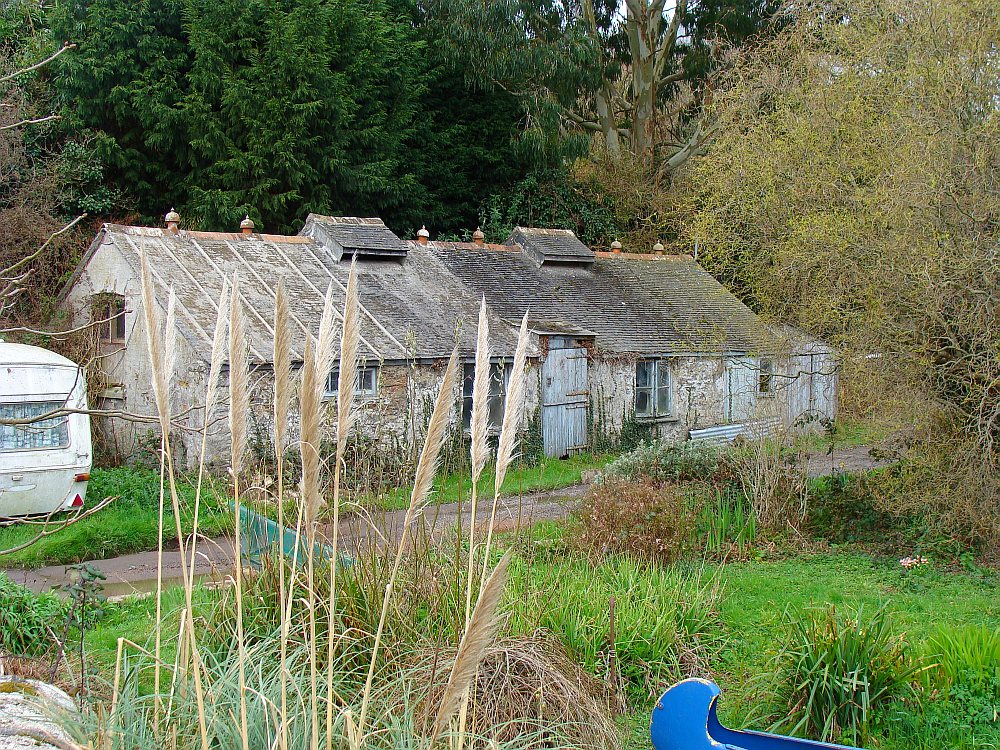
point(771, 478)
point(640, 518)
point(837, 670)
point(29, 622)
point(666, 462)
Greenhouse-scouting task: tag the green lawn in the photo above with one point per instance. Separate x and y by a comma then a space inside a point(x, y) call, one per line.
point(755, 597)
point(128, 524)
point(547, 474)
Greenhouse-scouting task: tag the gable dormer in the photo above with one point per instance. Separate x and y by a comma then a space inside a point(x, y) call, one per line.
point(552, 247)
point(351, 237)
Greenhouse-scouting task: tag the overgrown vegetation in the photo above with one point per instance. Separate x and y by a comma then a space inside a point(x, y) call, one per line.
point(837, 671)
point(128, 524)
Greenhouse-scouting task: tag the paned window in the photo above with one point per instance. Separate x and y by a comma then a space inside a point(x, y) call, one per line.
point(653, 389)
point(110, 317)
point(765, 379)
point(365, 383)
point(498, 394)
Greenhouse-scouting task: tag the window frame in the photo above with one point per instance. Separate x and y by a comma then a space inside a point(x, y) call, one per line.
point(111, 313)
point(332, 384)
point(659, 381)
point(500, 376)
point(765, 377)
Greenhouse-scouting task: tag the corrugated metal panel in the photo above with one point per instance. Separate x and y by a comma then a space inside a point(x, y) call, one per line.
point(564, 401)
point(727, 433)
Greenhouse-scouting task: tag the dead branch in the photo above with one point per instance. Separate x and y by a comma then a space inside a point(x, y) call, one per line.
point(37, 65)
point(62, 525)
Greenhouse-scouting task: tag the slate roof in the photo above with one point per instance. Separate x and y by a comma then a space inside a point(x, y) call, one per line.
point(647, 305)
point(409, 308)
point(551, 245)
point(355, 236)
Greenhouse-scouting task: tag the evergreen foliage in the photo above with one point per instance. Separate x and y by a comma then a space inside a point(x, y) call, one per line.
point(275, 109)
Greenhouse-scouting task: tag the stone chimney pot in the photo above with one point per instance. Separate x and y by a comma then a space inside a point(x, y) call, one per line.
point(173, 220)
point(247, 225)
point(478, 237)
point(423, 235)
point(616, 247)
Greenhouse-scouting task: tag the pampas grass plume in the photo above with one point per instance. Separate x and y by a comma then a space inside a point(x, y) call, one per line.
point(477, 637)
point(514, 407)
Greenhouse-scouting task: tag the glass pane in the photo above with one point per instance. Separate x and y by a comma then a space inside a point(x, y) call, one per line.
point(118, 323)
point(366, 381)
point(764, 383)
point(332, 381)
point(498, 392)
point(643, 402)
point(643, 373)
point(663, 405)
point(47, 433)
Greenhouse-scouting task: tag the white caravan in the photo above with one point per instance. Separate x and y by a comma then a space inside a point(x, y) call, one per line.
point(44, 465)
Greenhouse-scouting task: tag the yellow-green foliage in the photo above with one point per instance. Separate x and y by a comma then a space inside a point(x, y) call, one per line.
point(849, 191)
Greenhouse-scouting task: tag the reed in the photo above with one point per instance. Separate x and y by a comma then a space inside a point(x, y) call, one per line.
point(477, 637)
point(239, 409)
point(509, 431)
point(349, 338)
point(282, 361)
point(422, 482)
point(478, 428)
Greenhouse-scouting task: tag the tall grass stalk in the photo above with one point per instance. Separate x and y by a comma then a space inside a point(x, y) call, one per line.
point(349, 337)
point(211, 390)
point(282, 361)
point(479, 448)
point(477, 637)
point(159, 357)
point(509, 431)
point(422, 482)
point(239, 408)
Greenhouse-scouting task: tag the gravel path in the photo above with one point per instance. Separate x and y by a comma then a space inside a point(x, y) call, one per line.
point(138, 572)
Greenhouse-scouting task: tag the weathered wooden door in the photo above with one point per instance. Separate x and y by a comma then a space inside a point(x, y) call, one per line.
point(565, 394)
point(741, 389)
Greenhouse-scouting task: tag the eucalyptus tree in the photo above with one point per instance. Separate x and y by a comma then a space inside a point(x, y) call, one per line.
point(632, 72)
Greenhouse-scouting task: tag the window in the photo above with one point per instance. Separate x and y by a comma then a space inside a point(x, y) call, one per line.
point(41, 435)
point(365, 383)
point(765, 379)
point(653, 393)
point(110, 316)
point(498, 393)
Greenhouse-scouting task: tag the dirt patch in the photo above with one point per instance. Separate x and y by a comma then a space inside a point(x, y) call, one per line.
point(843, 460)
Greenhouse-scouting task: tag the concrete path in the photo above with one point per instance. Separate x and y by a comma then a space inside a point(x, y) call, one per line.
point(137, 573)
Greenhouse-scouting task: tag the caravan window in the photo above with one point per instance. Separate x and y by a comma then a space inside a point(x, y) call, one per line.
point(42, 435)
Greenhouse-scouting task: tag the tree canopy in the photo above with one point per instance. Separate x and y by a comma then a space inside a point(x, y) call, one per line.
point(631, 72)
point(275, 108)
point(854, 191)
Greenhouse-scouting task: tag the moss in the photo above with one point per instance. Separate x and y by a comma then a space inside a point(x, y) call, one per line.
point(14, 685)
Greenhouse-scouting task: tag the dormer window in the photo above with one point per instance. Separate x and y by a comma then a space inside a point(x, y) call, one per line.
point(109, 316)
point(365, 383)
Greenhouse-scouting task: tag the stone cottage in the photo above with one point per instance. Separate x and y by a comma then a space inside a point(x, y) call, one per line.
point(620, 342)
